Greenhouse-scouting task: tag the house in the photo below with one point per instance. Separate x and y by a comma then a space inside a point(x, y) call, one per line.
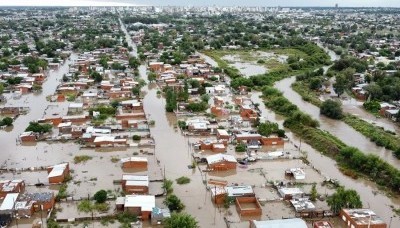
point(42, 200)
point(134, 162)
point(140, 205)
point(297, 173)
point(322, 224)
point(11, 186)
point(218, 195)
point(248, 206)
point(221, 162)
point(156, 66)
point(302, 205)
point(75, 108)
point(8, 203)
point(65, 128)
point(361, 218)
point(28, 136)
point(223, 134)
point(159, 214)
point(58, 173)
point(240, 191)
point(133, 184)
point(197, 125)
point(279, 223)
point(290, 193)
point(272, 141)
point(109, 141)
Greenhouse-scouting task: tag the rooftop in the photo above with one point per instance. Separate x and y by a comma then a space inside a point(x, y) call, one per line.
point(363, 216)
point(280, 223)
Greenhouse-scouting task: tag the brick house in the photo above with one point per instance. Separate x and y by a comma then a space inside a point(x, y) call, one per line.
point(58, 173)
point(221, 162)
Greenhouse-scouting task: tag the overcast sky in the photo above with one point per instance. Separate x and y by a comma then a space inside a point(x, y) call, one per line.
point(344, 3)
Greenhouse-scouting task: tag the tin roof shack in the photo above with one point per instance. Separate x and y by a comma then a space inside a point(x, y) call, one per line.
point(109, 141)
point(133, 184)
point(248, 206)
point(297, 173)
point(24, 208)
point(239, 191)
point(159, 214)
point(140, 205)
point(322, 224)
point(290, 193)
point(75, 108)
point(361, 218)
point(40, 199)
point(28, 136)
point(279, 223)
point(58, 173)
point(11, 186)
point(134, 162)
point(218, 195)
point(221, 162)
point(302, 205)
point(197, 125)
point(217, 146)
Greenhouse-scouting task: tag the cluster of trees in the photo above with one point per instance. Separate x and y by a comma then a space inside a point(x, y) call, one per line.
point(39, 128)
point(104, 110)
point(35, 64)
point(332, 109)
point(268, 128)
point(383, 87)
point(344, 198)
point(371, 165)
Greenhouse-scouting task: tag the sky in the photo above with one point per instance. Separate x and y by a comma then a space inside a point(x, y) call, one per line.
point(331, 3)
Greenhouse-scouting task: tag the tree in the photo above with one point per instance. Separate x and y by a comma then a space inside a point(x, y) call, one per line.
point(8, 121)
point(180, 220)
point(174, 203)
point(313, 193)
point(1, 88)
point(151, 76)
point(39, 128)
point(100, 196)
point(331, 109)
point(344, 199)
point(340, 84)
point(134, 62)
point(267, 128)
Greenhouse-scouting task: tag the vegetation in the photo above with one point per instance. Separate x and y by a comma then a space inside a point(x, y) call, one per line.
point(170, 97)
point(331, 109)
point(197, 107)
point(62, 192)
point(268, 128)
point(313, 193)
point(100, 196)
point(174, 203)
point(241, 147)
point(81, 159)
point(343, 198)
point(136, 137)
point(180, 220)
point(183, 180)
point(39, 128)
point(167, 185)
point(126, 218)
point(6, 121)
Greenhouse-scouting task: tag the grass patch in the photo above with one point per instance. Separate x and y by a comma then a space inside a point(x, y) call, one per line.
point(81, 158)
point(114, 159)
point(183, 180)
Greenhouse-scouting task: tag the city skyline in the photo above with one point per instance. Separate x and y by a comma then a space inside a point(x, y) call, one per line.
point(272, 3)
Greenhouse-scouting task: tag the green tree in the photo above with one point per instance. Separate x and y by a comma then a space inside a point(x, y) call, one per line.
point(267, 128)
point(174, 203)
point(39, 128)
point(151, 76)
point(340, 84)
point(331, 109)
point(343, 198)
point(8, 121)
point(100, 196)
point(134, 62)
point(180, 220)
point(313, 193)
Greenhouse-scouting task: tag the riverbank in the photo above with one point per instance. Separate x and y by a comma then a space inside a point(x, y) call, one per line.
point(376, 134)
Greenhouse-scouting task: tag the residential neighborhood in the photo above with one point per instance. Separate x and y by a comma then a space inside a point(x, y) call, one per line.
point(190, 116)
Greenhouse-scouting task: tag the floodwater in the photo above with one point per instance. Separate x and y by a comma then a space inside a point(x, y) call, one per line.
point(174, 153)
point(246, 68)
point(336, 127)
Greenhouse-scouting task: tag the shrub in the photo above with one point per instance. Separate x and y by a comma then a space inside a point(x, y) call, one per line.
point(331, 109)
point(81, 158)
point(136, 137)
point(100, 196)
point(240, 147)
point(174, 203)
point(183, 180)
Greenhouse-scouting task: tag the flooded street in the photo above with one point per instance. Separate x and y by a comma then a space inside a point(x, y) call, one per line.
point(13, 155)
